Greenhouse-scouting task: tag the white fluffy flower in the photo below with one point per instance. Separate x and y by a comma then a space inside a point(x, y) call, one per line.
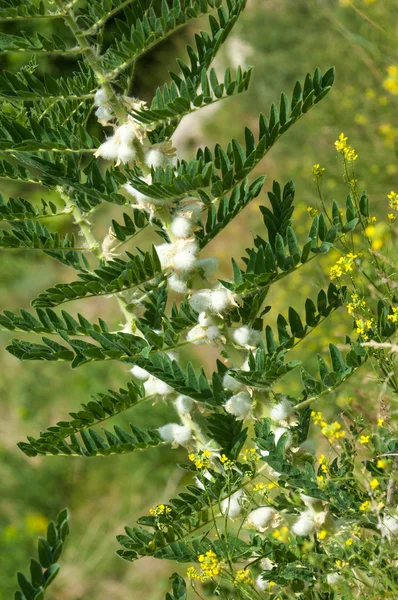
point(154, 158)
point(198, 334)
point(282, 411)
point(126, 133)
point(239, 405)
point(178, 435)
point(204, 320)
point(191, 207)
point(184, 404)
point(208, 265)
point(267, 564)
point(180, 255)
point(126, 153)
point(304, 525)
point(108, 150)
point(232, 506)
point(213, 333)
point(155, 386)
point(261, 518)
point(245, 336)
point(216, 301)
point(261, 584)
point(181, 227)
point(176, 284)
point(389, 526)
point(139, 373)
point(333, 579)
point(231, 383)
point(103, 114)
point(100, 97)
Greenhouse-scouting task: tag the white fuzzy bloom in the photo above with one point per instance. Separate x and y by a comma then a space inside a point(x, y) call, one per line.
point(181, 227)
point(239, 405)
point(154, 158)
point(178, 435)
point(204, 320)
point(100, 97)
point(231, 383)
point(126, 133)
point(156, 386)
point(126, 153)
point(267, 564)
point(108, 150)
point(201, 301)
point(209, 266)
point(192, 208)
point(221, 300)
point(176, 284)
point(304, 525)
point(103, 114)
point(311, 502)
point(180, 255)
point(184, 404)
point(213, 332)
point(261, 518)
point(232, 506)
point(333, 579)
point(279, 431)
point(245, 336)
point(139, 373)
point(282, 411)
point(389, 526)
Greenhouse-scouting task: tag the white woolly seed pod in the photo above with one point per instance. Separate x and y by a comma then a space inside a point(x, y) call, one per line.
point(165, 253)
point(154, 158)
point(261, 584)
point(126, 133)
point(204, 320)
point(197, 333)
point(178, 435)
point(239, 405)
point(139, 373)
point(181, 227)
point(176, 284)
point(201, 301)
point(209, 266)
point(103, 114)
point(267, 564)
point(156, 386)
point(311, 502)
point(184, 404)
point(230, 383)
point(221, 300)
point(261, 518)
point(245, 336)
point(108, 150)
point(100, 97)
point(304, 525)
point(282, 411)
point(213, 332)
point(126, 153)
point(232, 506)
point(141, 199)
point(185, 256)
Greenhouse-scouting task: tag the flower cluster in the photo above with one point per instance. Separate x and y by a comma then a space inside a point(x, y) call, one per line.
point(201, 459)
point(394, 315)
point(391, 81)
point(363, 327)
point(343, 265)
point(317, 171)
point(357, 303)
point(243, 577)
point(332, 431)
point(210, 567)
point(345, 149)
point(160, 509)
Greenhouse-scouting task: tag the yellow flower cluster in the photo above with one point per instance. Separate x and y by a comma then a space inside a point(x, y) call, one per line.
point(332, 431)
point(391, 217)
point(317, 171)
point(343, 265)
point(363, 326)
point(322, 534)
point(160, 509)
point(345, 149)
point(356, 303)
point(391, 81)
point(210, 567)
point(250, 455)
point(312, 211)
point(393, 200)
point(243, 577)
point(364, 439)
point(394, 317)
point(227, 464)
point(282, 534)
point(380, 422)
point(201, 460)
point(263, 488)
point(365, 506)
point(374, 484)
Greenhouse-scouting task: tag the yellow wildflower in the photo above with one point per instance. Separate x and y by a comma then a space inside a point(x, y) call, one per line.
point(313, 211)
point(365, 506)
point(374, 484)
point(160, 509)
point(380, 422)
point(282, 535)
point(394, 317)
point(345, 149)
point(317, 171)
point(250, 455)
point(391, 81)
point(381, 464)
point(393, 200)
point(259, 487)
point(243, 577)
point(322, 534)
point(391, 217)
point(349, 542)
point(343, 265)
point(364, 439)
point(333, 431)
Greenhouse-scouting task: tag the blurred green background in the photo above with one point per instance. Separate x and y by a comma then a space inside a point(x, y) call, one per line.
point(282, 39)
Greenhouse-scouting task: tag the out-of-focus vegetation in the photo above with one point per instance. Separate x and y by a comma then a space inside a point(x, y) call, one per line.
point(282, 40)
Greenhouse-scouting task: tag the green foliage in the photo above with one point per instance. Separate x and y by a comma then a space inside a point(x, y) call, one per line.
point(44, 571)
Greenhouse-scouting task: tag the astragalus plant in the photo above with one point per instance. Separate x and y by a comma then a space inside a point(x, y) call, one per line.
point(266, 515)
